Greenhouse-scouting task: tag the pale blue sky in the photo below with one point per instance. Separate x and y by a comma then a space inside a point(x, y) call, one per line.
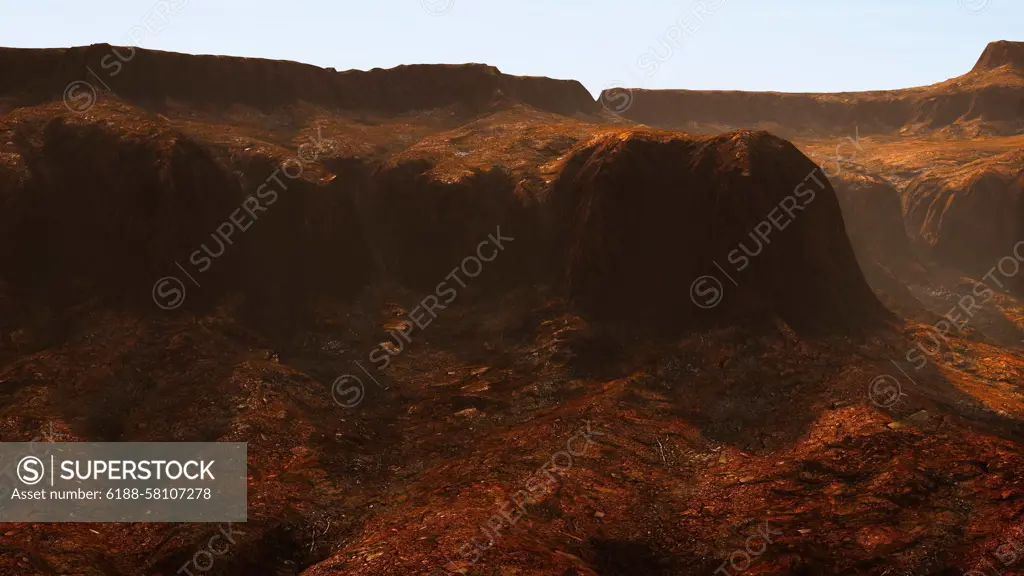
point(784, 45)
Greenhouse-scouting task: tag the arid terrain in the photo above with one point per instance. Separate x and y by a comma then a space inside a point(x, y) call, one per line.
point(480, 324)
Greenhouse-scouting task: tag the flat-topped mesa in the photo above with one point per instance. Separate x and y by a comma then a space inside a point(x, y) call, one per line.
point(778, 112)
point(1002, 53)
point(988, 99)
point(30, 76)
point(676, 229)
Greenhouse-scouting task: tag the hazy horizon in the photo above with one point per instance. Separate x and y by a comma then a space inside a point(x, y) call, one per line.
point(792, 46)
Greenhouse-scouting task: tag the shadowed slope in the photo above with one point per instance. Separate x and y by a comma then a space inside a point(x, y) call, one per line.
point(644, 215)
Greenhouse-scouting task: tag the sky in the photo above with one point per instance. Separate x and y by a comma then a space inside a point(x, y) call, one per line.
point(779, 45)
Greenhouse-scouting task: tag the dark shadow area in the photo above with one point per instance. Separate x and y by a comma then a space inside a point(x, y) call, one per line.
point(750, 401)
point(284, 548)
point(632, 557)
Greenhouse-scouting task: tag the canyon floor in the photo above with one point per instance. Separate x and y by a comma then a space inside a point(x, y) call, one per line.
point(747, 448)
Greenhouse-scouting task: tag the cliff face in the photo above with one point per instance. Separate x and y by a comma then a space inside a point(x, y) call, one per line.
point(786, 113)
point(992, 94)
point(970, 220)
point(874, 219)
point(742, 222)
point(1002, 53)
point(99, 211)
point(150, 77)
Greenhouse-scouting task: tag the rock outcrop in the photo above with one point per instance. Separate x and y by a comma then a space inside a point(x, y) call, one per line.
point(874, 219)
point(100, 214)
point(672, 228)
point(151, 77)
point(969, 218)
point(988, 99)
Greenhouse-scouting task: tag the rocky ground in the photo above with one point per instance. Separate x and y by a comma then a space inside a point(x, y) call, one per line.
point(510, 433)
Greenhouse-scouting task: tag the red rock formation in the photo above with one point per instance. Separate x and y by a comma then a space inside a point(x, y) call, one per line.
point(150, 77)
point(873, 217)
point(785, 113)
point(645, 215)
point(874, 223)
point(423, 228)
point(992, 93)
point(100, 213)
point(970, 218)
point(1001, 53)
